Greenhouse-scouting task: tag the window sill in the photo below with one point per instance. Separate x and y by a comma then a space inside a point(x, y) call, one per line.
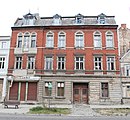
point(126, 97)
point(60, 97)
point(97, 48)
point(104, 98)
point(78, 47)
point(110, 48)
point(49, 47)
point(47, 97)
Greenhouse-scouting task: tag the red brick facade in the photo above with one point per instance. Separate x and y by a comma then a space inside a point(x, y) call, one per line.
point(86, 74)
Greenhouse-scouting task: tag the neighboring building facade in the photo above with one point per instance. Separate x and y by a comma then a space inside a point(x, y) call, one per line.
point(124, 39)
point(75, 55)
point(4, 56)
point(125, 77)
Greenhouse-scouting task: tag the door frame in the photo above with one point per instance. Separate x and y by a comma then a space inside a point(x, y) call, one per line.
point(80, 83)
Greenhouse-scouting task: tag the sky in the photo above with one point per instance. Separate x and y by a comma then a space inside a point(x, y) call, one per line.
point(10, 10)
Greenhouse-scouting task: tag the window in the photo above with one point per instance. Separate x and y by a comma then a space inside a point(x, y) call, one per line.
point(50, 40)
point(128, 91)
point(110, 63)
point(60, 89)
point(18, 63)
point(79, 18)
point(104, 90)
point(97, 40)
point(61, 63)
point(61, 40)
point(29, 19)
point(109, 40)
point(19, 43)
point(127, 70)
point(56, 19)
point(2, 62)
point(97, 63)
point(4, 45)
point(33, 40)
point(48, 63)
point(31, 62)
point(79, 40)
point(47, 91)
point(79, 63)
point(101, 18)
point(26, 40)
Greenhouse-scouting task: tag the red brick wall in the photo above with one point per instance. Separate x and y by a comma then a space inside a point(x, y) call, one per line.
point(70, 33)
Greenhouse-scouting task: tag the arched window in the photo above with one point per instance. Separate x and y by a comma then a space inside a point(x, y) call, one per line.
point(33, 40)
point(19, 40)
point(26, 40)
point(50, 40)
point(61, 40)
point(79, 39)
point(109, 39)
point(97, 40)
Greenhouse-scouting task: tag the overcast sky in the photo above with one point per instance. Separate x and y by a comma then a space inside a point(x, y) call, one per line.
point(10, 10)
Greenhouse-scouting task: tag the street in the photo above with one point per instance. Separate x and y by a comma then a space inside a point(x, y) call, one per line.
point(55, 117)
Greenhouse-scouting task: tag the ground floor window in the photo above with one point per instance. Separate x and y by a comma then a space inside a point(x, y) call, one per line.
point(104, 90)
point(47, 90)
point(60, 88)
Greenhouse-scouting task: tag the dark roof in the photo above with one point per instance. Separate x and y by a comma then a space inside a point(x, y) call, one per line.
point(66, 20)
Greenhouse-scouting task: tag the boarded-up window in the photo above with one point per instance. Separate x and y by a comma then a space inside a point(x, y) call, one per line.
point(32, 91)
point(14, 91)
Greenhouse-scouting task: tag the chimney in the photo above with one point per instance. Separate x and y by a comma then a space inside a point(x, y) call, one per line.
point(123, 26)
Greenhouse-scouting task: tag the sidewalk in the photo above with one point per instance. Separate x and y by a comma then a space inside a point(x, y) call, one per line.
point(23, 109)
point(76, 109)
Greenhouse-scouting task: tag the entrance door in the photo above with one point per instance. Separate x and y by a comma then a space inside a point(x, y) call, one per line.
point(80, 92)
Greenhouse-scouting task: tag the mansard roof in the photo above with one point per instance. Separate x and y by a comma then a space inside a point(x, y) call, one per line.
point(66, 20)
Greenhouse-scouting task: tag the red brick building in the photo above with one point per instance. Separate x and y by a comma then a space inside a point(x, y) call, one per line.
point(77, 55)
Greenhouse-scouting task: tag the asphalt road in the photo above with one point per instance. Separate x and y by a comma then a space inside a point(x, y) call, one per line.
point(53, 117)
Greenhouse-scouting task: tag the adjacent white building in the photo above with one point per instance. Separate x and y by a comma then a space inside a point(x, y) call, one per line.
point(4, 55)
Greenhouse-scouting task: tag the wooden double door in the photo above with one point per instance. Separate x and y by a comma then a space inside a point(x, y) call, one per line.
point(80, 93)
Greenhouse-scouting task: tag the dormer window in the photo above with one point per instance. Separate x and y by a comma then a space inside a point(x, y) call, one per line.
point(29, 19)
point(79, 19)
point(56, 19)
point(101, 18)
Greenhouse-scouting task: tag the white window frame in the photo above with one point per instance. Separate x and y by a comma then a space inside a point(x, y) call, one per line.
point(110, 62)
point(33, 40)
point(109, 40)
point(98, 62)
point(3, 44)
point(97, 38)
point(2, 62)
point(48, 63)
point(127, 70)
point(19, 62)
point(79, 62)
point(50, 40)
point(61, 62)
point(31, 61)
point(19, 40)
point(26, 40)
point(79, 39)
point(61, 41)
